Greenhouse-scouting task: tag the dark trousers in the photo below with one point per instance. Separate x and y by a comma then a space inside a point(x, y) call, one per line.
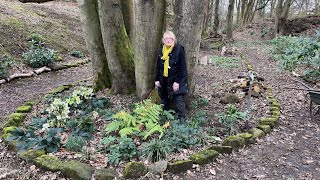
point(178, 100)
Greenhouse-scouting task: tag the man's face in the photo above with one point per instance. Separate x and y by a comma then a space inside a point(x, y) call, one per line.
point(168, 40)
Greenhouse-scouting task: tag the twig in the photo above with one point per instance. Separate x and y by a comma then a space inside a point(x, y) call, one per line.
point(304, 84)
point(309, 89)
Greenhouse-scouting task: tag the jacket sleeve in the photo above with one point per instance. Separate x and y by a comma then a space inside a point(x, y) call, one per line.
point(183, 73)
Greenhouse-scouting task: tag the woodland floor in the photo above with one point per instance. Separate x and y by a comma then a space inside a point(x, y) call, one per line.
point(290, 151)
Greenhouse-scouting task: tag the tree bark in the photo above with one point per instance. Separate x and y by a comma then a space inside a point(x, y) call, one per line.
point(216, 19)
point(282, 11)
point(230, 20)
point(148, 33)
point(127, 9)
point(188, 27)
point(93, 37)
point(117, 45)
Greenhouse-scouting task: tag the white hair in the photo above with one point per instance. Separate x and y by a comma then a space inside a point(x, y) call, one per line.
point(171, 34)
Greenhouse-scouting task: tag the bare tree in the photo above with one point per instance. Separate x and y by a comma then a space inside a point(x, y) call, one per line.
point(149, 27)
point(92, 30)
point(282, 11)
point(188, 27)
point(117, 45)
point(216, 19)
point(230, 20)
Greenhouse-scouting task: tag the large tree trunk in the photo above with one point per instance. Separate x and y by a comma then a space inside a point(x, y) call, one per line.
point(188, 27)
point(148, 33)
point(127, 8)
point(92, 30)
point(216, 19)
point(230, 20)
point(117, 45)
point(282, 11)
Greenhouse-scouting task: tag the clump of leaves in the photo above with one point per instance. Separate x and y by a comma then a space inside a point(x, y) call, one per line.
point(198, 119)
point(156, 150)
point(77, 54)
point(39, 55)
point(230, 118)
point(225, 62)
point(5, 64)
point(120, 150)
point(75, 143)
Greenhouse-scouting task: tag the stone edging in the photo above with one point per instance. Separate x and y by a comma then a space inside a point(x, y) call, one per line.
point(43, 69)
point(78, 170)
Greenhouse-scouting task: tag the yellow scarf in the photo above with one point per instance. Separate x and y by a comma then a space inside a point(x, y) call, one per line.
point(166, 51)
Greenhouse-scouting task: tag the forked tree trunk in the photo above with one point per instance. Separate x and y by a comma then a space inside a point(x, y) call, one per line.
point(188, 27)
point(282, 11)
point(230, 20)
point(148, 33)
point(117, 45)
point(93, 37)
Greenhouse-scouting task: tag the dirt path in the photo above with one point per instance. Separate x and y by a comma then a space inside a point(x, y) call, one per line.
point(14, 94)
point(291, 151)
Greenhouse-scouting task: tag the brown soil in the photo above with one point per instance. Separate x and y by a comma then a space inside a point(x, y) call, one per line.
point(291, 151)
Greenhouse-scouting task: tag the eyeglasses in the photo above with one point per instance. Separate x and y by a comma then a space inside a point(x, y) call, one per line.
point(168, 38)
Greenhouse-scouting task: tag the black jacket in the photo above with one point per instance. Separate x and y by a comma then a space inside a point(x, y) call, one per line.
point(177, 71)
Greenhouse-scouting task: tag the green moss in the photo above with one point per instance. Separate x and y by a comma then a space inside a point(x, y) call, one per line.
point(257, 133)
point(13, 145)
point(5, 136)
point(272, 124)
point(247, 137)
point(229, 98)
point(77, 170)
point(265, 128)
point(50, 163)
point(134, 170)
point(106, 174)
point(269, 119)
point(9, 123)
point(17, 117)
point(31, 103)
point(235, 142)
point(60, 89)
point(204, 157)
point(154, 97)
point(24, 109)
point(102, 80)
point(221, 149)
point(274, 109)
point(180, 166)
point(30, 155)
point(8, 129)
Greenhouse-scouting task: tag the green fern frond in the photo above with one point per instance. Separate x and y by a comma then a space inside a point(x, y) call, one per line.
point(113, 126)
point(128, 131)
point(127, 118)
point(149, 125)
point(155, 129)
point(168, 115)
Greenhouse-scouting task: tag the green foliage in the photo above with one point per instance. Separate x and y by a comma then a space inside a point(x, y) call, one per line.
point(292, 51)
point(39, 55)
point(203, 101)
point(25, 139)
point(144, 121)
point(198, 119)
point(75, 143)
point(156, 150)
point(181, 136)
point(230, 118)
point(5, 64)
point(225, 62)
point(51, 140)
point(125, 149)
point(265, 31)
point(77, 54)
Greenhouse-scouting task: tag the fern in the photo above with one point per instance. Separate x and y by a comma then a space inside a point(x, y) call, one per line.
point(128, 131)
point(155, 129)
point(128, 119)
point(113, 127)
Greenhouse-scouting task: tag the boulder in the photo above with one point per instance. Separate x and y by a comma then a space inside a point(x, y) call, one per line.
point(180, 166)
point(257, 133)
point(221, 149)
point(204, 157)
point(24, 109)
point(106, 174)
point(229, 98)
point(235, 142)
point(134, 170)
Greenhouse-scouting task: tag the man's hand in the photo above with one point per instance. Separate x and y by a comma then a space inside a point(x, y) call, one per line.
point(175, 86)
point(157, 84)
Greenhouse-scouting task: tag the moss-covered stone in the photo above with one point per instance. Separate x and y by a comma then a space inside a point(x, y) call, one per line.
point(275, 104)
point(265, 128)
point(272, 124)
point(30, 155)
point(248, 138)
point(134, 170)
point(5, 136)
point(180, 166)
point(257, 133)
point(9, 129)
point(24, 109)
point(50, 163)
point(106, 174)
point(204, 157)
point(269, 119)
point(9, 123)
point(221, 149)
point(229, 99)
point(60, 89)
point(12, 145)
point(77, 170)
point(235, 142)
point(274, 109)
point(31, 102)
point(18, 118)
